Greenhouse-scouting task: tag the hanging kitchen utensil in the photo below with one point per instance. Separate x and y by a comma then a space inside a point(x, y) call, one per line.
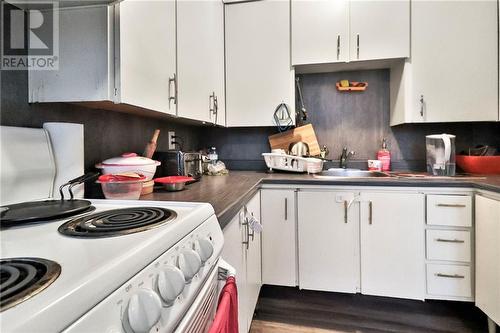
point(36, 211)
point(302, 113)
point(282, 117)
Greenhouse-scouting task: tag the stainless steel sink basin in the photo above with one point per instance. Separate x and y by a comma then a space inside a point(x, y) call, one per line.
point(350, 173)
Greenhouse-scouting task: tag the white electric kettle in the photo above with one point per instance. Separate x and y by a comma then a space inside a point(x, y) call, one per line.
point(440, 154)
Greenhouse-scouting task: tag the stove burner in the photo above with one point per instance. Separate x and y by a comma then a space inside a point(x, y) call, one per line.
point(22, 278)
point(117, 222)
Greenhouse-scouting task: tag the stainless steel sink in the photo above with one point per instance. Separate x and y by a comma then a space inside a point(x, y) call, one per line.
point(350, 173)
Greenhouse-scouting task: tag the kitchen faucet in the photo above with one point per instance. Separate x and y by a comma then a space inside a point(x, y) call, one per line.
point(345, 156)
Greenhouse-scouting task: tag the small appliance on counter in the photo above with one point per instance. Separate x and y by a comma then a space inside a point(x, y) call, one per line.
point(179, 163)
point(440, 154)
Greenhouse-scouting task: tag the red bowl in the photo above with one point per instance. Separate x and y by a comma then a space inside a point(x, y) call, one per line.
point(479, 164)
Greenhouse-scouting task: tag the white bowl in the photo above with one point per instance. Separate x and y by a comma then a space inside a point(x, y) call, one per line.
point(129, 162)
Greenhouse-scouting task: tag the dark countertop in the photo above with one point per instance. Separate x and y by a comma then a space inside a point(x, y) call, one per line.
point(228, 194)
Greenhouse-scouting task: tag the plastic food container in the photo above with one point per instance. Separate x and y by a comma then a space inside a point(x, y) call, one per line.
point(122, 187)
point(174, 183)
point(129, 162)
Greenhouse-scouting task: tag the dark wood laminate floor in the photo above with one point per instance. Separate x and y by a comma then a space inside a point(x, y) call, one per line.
point(282, 309)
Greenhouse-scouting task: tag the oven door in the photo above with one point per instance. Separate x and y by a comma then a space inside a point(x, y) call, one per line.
point(200, 315)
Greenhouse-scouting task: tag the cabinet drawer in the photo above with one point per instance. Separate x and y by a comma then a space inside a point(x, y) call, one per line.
point(449, 280)
point(448, 245)
point(454, 210)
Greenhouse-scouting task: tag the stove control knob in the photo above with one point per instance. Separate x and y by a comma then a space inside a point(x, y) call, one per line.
point(189, 263)
point(144, 310)
point(170, 284)
point(204, 248)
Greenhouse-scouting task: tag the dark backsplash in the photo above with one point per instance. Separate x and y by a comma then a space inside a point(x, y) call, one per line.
point(107, 133)
point(357, 120)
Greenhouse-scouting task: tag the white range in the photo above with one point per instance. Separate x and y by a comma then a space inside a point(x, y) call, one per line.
point(127, 266)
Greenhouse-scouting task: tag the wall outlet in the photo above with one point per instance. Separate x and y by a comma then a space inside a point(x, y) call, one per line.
point(171, 140)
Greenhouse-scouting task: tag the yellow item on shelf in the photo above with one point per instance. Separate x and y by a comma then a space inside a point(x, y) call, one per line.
point(344, 83)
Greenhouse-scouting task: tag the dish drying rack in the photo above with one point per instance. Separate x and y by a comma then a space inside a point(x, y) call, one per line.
point(284, 162)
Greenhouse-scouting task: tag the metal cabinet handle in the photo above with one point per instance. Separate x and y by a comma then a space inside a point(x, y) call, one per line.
point(216, 108)
point(357, 45)
point(338, 47)
point(174, 96)
point(421, 105)
point(454, 276)
point(346, 208)
point(213, 106)
point(449, 240)
point(211, 103)
point(370, 212)
point(451, 205)
point(246, 242)
point(286, 209)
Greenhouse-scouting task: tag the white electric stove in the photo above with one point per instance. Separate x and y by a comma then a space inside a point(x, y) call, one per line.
point(108, 272)
point(126, 266)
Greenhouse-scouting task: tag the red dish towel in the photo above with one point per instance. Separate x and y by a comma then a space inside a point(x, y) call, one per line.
point(226, 318)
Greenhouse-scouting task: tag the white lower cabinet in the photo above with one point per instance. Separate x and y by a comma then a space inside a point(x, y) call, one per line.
point(449, 247)
point(242, 251)
point(279, 259)
point(328, 241)
point(392, 244)
point(254, 261)
point(487, 257)
point(371, 243)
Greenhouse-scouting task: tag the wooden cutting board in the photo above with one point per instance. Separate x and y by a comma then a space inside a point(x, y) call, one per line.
point(304, 133)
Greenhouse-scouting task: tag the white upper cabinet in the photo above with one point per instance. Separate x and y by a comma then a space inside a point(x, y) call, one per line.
point(200, 61)
point(123, 53)
point(329, 31)
point(454, 65)
point(258, 72)
point(319, 31)
point(79, 78)
point(379, 29)
point(146, 53)
point(452, 75)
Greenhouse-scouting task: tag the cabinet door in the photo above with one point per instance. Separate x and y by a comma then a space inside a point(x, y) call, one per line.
point(146, 38)
point(234, 253)
point(328, 241)
point(319, 31)
point(279, 259)
point(379, 29)
point(258, 72)
point(254, 262)
point(200, 63)
point(392, 244)
point(454, 65)
point(487, 254)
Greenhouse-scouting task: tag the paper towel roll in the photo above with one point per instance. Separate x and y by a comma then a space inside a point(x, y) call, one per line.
point(68, 149)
